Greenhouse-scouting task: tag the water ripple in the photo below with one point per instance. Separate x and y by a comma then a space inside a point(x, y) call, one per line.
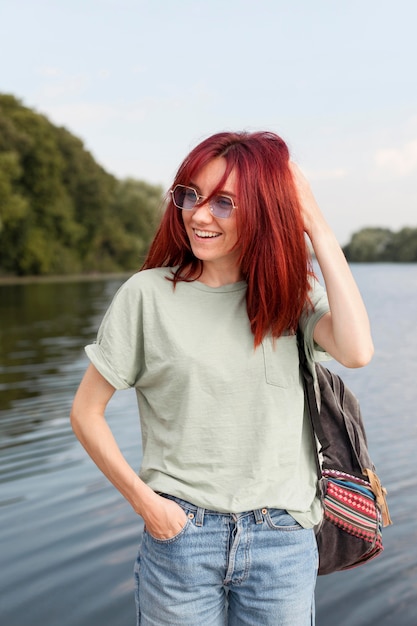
point(68, 539)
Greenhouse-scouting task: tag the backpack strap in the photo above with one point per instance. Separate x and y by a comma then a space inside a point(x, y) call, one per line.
point(310, 395)
point(310, 399)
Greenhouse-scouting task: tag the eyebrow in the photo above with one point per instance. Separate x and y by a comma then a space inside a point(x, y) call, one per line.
point(221, 192)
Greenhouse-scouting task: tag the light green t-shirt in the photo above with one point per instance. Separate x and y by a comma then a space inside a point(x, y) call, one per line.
point(222, 423)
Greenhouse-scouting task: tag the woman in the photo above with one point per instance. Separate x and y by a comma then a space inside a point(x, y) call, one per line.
point(206, 335)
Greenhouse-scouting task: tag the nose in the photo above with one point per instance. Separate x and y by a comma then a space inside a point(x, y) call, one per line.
point(202, 213)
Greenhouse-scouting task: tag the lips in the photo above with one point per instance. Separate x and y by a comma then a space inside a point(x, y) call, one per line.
point(206, 234)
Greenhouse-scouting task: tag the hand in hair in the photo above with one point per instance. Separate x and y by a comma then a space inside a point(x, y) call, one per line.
point(312, 215)
point(345, 331)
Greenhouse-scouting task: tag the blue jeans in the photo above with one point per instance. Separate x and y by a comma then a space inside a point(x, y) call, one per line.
point(256, 568)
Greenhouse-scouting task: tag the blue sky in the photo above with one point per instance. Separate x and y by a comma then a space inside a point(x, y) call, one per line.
point(142, 81)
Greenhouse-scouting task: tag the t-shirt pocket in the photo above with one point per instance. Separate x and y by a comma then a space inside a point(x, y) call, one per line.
point(281, 361)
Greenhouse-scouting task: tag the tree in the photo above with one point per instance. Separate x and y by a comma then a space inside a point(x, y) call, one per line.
point(404, 246)
point(137, 206)
point(60, 211)
point(369, 245)
point(372, 245)
point(14, 209)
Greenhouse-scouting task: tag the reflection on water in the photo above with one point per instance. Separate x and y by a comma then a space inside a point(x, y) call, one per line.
point(43, 328)
point(68, 540)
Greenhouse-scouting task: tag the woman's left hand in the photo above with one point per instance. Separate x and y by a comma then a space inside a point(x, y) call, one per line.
point(344, 332)
point(311, 212)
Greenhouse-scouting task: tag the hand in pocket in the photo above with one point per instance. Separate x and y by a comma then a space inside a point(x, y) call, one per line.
point(164, 519)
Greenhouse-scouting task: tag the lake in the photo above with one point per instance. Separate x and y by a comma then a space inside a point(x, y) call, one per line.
point(67, 538)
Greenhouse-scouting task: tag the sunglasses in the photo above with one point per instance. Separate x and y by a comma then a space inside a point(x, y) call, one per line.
point(187, 198)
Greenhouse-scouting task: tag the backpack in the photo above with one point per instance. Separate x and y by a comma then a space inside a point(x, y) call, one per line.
point(354, 502)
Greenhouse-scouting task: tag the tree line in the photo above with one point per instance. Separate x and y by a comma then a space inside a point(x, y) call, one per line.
point(60, 211)
point(381, 245)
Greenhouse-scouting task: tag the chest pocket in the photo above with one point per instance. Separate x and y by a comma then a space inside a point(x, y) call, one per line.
point(281, 361)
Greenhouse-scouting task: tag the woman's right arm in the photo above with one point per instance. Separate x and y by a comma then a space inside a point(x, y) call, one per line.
point(163, 517)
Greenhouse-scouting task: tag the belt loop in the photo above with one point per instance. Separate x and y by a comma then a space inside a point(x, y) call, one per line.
point(199, 519)
point(258, 513)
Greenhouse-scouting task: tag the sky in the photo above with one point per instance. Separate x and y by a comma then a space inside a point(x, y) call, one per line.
point(141, 82)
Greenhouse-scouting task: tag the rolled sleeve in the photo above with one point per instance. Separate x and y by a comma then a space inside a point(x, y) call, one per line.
point(97, 358)
point(309, 320)
point(118, 352)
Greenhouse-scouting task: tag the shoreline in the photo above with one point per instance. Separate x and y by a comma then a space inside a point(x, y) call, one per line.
point(67, 278)
point(63, 278)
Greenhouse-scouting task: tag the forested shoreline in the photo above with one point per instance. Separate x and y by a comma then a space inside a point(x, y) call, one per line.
point(61, 213)
point(381, 245)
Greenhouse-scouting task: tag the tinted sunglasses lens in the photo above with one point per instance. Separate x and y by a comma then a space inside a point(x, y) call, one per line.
point(221, 206)
point(184, 197)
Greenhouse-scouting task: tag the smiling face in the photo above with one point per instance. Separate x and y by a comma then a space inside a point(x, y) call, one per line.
point(213, 240)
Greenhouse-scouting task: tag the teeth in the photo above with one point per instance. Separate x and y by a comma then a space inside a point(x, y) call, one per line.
point(205, 233)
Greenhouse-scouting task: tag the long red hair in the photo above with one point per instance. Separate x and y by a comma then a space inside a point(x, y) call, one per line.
point(274, 258)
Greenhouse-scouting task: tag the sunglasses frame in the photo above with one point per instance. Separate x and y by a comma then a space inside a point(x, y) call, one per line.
point(200, 200)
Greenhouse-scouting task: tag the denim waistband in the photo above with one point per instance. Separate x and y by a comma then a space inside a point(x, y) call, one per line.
point(200, 512)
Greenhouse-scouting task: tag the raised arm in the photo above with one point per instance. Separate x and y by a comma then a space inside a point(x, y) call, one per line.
point(345, 331)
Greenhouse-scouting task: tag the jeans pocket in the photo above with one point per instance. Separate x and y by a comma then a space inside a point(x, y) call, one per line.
point(279, 519)
point(170, 539)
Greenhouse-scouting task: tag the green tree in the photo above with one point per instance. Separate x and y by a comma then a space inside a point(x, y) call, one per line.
point(14, 209)
point(404, 246)
point(369, 245)
point(60, 211)
point(137, 206)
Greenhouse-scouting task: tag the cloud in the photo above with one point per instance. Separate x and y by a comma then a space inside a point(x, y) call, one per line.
point(58, 85)
point(49, 71)
point(92, 113)
point(61, 86)
point(139, 69)
point(397, 162)
point(86, 113)
point(329, 174)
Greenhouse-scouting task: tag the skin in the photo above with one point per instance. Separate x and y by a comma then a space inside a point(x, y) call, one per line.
point(344, 333)
point(219, 252)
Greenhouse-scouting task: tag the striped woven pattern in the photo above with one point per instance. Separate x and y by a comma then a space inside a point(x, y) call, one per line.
point(350, 504)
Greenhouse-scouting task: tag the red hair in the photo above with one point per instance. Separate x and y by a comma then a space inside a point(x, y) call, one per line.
point(274, 259)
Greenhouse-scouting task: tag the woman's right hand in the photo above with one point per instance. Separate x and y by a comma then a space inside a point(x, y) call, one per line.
point(164, 518)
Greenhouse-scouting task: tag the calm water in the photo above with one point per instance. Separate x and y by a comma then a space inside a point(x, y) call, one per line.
point(68, 540)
